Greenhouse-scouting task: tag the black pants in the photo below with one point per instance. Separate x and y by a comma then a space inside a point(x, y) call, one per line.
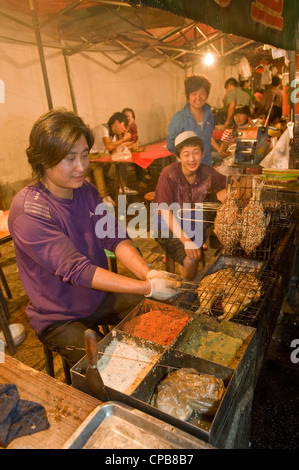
point(67, 337)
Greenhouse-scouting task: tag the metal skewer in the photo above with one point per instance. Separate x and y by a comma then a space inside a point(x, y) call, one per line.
point(71, 348)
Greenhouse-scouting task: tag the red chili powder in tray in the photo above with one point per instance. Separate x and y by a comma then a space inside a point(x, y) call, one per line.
point(155, 325)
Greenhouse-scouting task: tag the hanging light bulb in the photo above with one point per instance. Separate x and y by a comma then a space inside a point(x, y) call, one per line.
point(209, 58)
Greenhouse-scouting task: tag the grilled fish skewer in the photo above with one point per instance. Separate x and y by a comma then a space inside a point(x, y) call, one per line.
point(228, 223)
point(255, 221)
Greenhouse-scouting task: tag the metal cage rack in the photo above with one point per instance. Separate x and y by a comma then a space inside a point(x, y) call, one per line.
point(262, 217)
point(214, 301)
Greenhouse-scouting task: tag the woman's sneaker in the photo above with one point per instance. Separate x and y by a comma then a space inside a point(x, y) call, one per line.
point(128, 191)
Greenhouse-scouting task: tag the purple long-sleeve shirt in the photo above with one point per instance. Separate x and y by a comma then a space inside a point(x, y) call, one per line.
point(58, 249)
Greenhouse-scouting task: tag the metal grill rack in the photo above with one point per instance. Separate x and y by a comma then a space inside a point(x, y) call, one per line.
point(277, 217)
point(190, 301)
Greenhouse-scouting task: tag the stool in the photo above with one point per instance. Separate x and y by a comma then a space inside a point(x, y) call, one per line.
point(170, 262)
point(4, 314)
point(112, 259)
point(4, 282)
point(49, 362)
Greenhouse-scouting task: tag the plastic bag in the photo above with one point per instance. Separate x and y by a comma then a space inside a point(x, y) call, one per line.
point(279, 155)
point(122, 154)
point(185, 390)
point(3, 222)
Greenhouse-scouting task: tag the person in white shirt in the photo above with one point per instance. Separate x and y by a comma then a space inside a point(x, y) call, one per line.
point(107, 139)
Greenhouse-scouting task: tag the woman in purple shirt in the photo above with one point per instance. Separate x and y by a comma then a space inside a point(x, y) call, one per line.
point(60, 229)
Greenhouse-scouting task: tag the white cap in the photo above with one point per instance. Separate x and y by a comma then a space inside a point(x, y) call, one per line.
point(184, 136)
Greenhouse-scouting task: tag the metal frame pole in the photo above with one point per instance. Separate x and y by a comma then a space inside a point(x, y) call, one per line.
point(68, 73)
point(32, 4)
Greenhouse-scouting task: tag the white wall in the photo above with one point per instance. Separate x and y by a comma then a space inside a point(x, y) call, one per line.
point(100, 88)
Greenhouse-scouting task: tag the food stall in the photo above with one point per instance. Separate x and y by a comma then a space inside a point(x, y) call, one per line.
point(222, 355)
point(209, 340)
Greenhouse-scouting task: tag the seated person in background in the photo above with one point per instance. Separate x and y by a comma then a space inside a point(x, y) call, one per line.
point(241, 117)
point(221, 114)
point(134, 143)
point(107, 138)
point(100, 170)
point(186, 181)
point(59, 236)
point(245, 86)
point(131, 127)
point(235, 97)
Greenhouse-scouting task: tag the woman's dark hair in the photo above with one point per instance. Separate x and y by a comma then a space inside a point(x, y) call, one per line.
point(192, 142)
point(52, 137)
point(196, 81)
point(130, 110)
point(120, 117)
point(276, 80)
point(238, 110)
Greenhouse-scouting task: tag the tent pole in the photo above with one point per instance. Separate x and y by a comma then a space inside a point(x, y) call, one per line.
point(32, 4)
point(67, 67)
point(292, 78)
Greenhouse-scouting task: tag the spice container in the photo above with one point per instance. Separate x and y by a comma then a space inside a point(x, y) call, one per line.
point(224, 343)
point(155, 321)
point(123, 362)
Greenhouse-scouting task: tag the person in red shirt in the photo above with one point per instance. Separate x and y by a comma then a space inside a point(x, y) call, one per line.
point(134, 143)
point(241, 117)
point(185, 182)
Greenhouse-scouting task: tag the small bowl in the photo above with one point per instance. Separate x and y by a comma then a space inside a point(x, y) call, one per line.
point(17, 332)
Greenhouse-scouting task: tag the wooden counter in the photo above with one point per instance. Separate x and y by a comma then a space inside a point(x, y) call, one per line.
point(66, 406)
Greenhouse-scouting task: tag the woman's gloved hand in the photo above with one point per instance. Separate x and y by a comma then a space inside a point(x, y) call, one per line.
point(164, 285)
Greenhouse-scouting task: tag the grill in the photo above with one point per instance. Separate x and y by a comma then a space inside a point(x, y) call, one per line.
point(190, 301)
point(253, 324)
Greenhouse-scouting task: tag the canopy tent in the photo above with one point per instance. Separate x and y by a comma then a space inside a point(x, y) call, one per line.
point(128, 30)
point(273, 22)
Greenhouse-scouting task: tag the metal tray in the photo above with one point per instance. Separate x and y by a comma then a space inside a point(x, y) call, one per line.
point(78, 371)
point(118, 426)
point(202, 426)
point(188, 340)
point(146, 306)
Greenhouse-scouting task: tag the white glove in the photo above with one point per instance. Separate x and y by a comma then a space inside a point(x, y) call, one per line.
point(164, 285)
point(155, 273)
